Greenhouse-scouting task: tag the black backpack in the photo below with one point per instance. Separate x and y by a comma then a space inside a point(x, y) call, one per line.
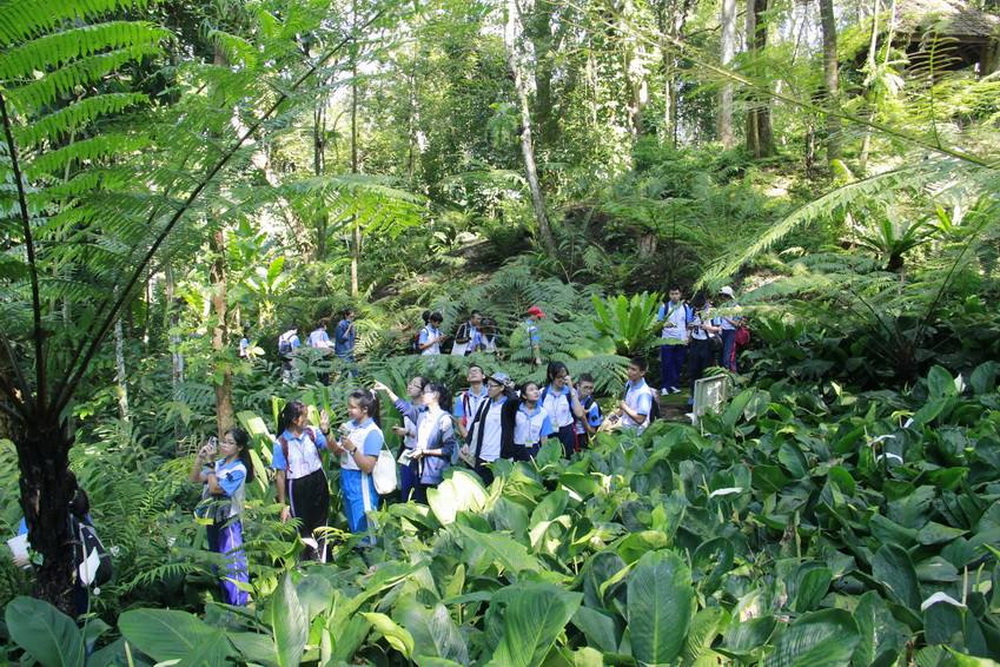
point(90, 558)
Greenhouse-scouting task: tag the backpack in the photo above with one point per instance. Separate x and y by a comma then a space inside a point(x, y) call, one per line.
point(91, 560)
point(285, 343)
point(742, 337)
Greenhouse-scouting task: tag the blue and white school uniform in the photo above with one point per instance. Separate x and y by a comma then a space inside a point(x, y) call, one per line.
point(467, 405)
point(427, 334)
point(558, 405)
point(530, 426)
point(225, 536)
point(306, 487)
point(639, 398)
point(320, 339)
point(357, 487)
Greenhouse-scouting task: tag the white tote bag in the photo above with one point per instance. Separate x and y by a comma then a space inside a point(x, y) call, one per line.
point(385, 475)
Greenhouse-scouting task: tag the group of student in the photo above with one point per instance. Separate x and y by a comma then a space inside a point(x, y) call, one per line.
point(700, 333)
point(491, 419)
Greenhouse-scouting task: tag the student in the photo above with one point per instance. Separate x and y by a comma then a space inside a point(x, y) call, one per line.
point(592, 417)
point(489, 336)
point(359, 445)
point(560, 400)
point(245, 349)
point(430, 336)
point(468, 401)
point(288, 343)
point(532, 424)
point(320, 340)
point(729, 321)
point(530, 324)
point(345, 336)
point(637, 404)
point(702, 330)
point(298, 474)
point(434, 442)
point(469, 337)
point(491, 431)
point(408, 431)
point(225, 481)
point(674, 340)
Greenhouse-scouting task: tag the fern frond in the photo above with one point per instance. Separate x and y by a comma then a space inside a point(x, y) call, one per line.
point(61, 48)
point(86, 150)
point(56, 126)
point(23, 19)
point(84, 72)
point(917, 176)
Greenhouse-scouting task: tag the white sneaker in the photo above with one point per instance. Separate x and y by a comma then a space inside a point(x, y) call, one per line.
point(675, 390)
point(664, 391)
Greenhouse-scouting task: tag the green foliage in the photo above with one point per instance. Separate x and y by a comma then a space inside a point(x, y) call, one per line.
point(629, 321)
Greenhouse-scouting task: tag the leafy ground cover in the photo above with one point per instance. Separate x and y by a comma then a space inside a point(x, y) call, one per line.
point(795, 528)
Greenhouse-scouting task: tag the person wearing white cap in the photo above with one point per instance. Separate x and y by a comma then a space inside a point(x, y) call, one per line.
point(729, 320)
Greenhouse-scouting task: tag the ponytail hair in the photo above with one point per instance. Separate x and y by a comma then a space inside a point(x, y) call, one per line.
point(242, 439)
point(367, 401)
point(289, 413)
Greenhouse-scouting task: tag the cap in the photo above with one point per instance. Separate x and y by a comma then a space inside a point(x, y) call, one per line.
point(536, 312)
point(727, 290)
point(499, 377)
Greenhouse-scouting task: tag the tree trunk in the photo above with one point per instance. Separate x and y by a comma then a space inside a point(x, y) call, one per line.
point(511, 38)
point(831, 80)
point(47, 486)
point(225, 416)
point(121, 376)
point(727, 50)
point(760, 140)
point(355, 225)
point(319, 168)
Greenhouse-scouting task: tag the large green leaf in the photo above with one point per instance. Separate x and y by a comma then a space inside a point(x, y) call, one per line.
point(166, 634)
point(50, 636)
point(821, 639)
point(398, 637)
point(289, 623)
point(434, 633)
point(882, 637)
point(463, 491)
point(534, 615)
point(660, 598)
point(892, 566)
point(511, 555)
point(598, 628)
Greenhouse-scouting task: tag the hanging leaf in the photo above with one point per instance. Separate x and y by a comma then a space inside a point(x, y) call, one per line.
point(660, 598)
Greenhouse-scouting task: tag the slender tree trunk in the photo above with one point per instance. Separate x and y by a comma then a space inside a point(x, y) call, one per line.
point(355, 223)
point(225, 416)
point(760, 140)
point(727, 48)
point(319, 168)
point(831, 79)
point(511, 38)
point(121, 376)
